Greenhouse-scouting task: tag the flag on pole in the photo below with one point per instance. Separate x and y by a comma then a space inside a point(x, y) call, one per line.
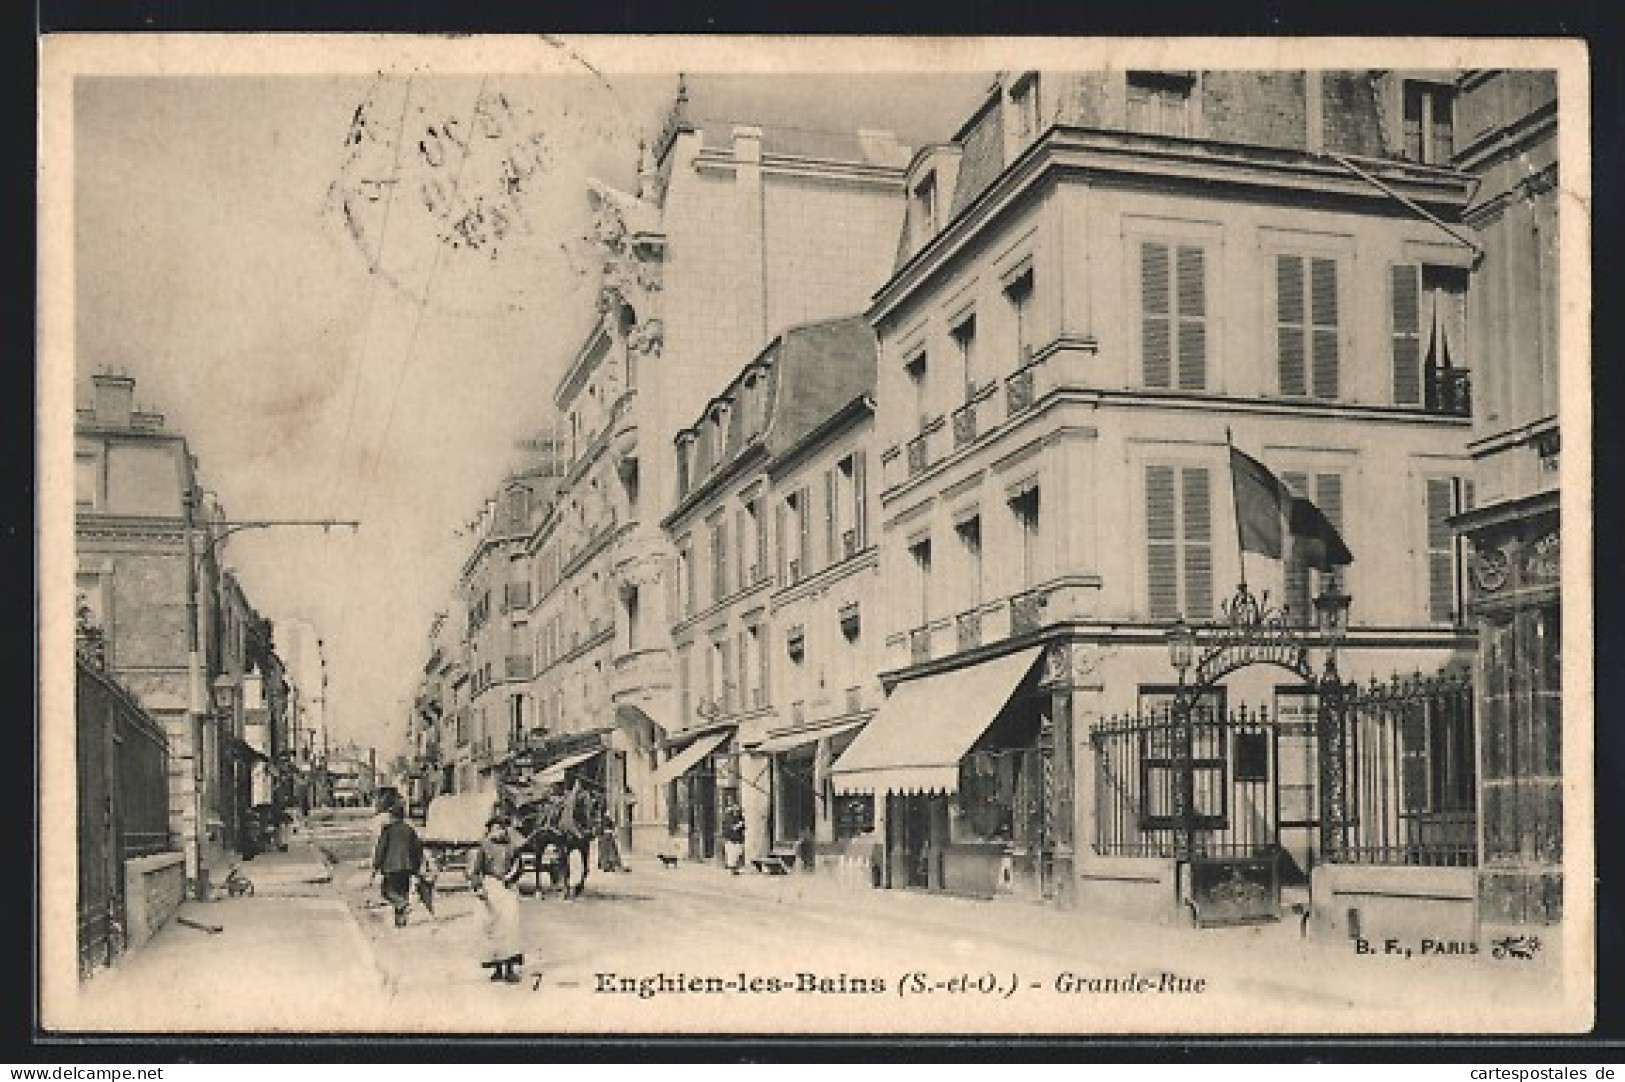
point(1262, 502)
point(1315, 541)
point(1264, 505)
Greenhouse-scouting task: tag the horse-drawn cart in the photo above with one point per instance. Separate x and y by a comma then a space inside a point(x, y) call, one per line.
point(452, 830)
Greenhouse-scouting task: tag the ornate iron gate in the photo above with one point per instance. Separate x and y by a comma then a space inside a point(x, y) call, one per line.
point(1225, 830)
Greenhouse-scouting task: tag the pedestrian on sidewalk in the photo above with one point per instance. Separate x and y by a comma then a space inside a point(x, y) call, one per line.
point(733, 838)
point(494, 875)
point(397, 857)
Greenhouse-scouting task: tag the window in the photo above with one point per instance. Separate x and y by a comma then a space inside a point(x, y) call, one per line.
point(719, 559)
point(759, 654)
point(925, 208)
point(685, 687)
point(1160, 761)
point(849, 485)
point(920, 551)
point(685, 577)
point(1173, 316)
point(685, 452)
point(964, 336)
point(1019, 293)
point(1024, 507)
point(1302, 584)
point(1159, 103)
point(1024, 107)
point(1179, 541)
point(970, 540)
point(752, 543)
point(1446, 496)
point(87, 480)
point(794, 530)
point(916, 369)
point(1430, 123)
point(1306, 325)
point(1428, 306)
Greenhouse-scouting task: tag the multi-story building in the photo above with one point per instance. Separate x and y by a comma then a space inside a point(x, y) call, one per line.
point(1506, 135)
point(734, 230)
point(769, 529)
point(1105, 281)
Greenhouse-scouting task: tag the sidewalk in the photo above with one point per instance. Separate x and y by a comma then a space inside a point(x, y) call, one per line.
point(291, 957)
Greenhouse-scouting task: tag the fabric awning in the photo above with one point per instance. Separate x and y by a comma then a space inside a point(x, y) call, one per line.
point(783, 742)
point(555, 773)
point(919, 735)
point(684, 761)
point(458, 818)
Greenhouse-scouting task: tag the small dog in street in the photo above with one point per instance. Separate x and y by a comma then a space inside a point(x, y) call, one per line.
point(667, 860)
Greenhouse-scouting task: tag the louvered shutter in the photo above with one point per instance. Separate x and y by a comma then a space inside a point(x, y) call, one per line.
point(1323, 313)
point(1197, 514)
point(1192, 304)
point(1329, 497)
point(1296, 574)
point(804, 529)
point(1156, 331)
point(1162, 543)
point(1289, 318)
point(1405, 297)
point(860, 501)
point(779, 512)
point(832, 542)
point(1441, 557)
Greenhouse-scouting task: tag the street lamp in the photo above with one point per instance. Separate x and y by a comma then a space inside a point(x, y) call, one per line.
point(1332, 617)
point(1181, 647)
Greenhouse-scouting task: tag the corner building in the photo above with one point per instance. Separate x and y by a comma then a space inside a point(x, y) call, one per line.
point(1102, 281)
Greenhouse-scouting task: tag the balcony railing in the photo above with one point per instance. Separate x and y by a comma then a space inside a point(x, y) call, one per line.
point(965, 425)
point(919, 645)
point(919, 457)
point(1018, 391)
point(970, 629)
point(1449, 391)
point(1026, 612)
point(849, 543)
point(518, 667)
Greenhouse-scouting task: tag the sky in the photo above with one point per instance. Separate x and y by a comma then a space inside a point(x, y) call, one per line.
point(282, 273)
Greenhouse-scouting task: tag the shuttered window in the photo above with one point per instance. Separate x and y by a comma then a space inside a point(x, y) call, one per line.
point(859, 500)
point(1405, 303)
point(1307, 342)
point(832, 541)
point(1302, 584)
point(1179, 542)
point(1173, 316)
point(1445, 497)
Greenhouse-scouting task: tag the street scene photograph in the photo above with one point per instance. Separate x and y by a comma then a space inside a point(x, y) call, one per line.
point(835, 536)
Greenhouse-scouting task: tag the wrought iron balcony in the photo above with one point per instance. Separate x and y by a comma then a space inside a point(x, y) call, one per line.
point(1026, 612)
point(919, 645)
point(849, 619)
point(1018, 391)
point(965, 425)
point(1448, 391)
point(970, 629)
point(919, 456)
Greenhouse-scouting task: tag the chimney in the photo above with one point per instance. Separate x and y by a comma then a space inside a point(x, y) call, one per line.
point(114, 399)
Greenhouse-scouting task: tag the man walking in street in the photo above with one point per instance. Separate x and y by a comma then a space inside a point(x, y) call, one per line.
point(397, 858)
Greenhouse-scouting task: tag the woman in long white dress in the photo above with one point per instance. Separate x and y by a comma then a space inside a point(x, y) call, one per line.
point(494, 874)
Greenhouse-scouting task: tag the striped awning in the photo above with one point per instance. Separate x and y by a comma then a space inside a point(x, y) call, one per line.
point(684, 761)
point(782, 742)
point(554, 773)
point(919, 735)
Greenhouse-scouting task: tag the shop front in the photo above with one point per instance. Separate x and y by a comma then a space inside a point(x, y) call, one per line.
point(804, 820)
point(960, 766)
point(697, 791)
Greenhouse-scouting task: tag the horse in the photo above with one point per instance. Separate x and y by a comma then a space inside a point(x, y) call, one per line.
point(566, 822)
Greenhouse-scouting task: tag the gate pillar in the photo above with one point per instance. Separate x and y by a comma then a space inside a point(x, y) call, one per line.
point(1071, 678)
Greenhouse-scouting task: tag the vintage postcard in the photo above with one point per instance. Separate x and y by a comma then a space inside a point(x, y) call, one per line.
point(818, 536)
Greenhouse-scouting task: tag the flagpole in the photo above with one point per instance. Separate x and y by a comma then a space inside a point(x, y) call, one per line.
point(1229, 465)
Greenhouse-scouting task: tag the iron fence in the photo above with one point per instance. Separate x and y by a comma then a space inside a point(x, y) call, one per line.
point(1400, 778)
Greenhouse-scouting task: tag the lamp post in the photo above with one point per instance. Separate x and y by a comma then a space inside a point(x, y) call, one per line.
point(1182, 655)
point(1331, 615)
point(197, 698)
